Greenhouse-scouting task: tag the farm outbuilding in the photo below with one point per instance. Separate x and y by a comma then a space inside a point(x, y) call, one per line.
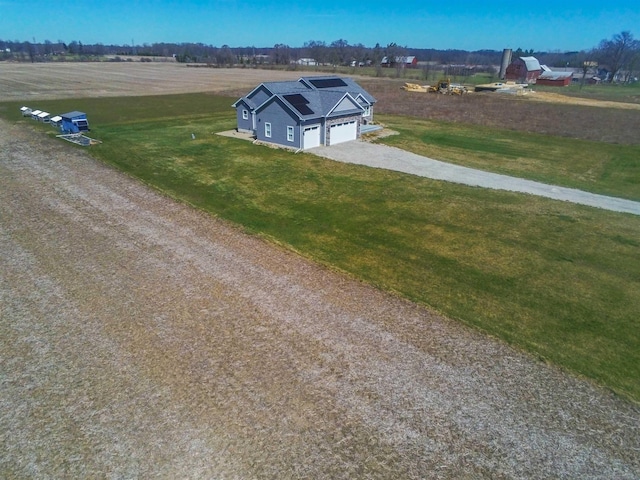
point(407, 61)
point(44, 117)
point(524, 70)
point(555, 79)
point(74, 122)
point(56, 121)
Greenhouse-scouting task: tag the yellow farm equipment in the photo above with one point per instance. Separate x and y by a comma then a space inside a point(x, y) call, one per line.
point(443, 86)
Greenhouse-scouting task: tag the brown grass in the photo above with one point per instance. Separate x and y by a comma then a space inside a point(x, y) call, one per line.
point(552, 114)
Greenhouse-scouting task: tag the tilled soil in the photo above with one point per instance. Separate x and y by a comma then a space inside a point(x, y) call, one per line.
point(142, 338)
point(30, 82)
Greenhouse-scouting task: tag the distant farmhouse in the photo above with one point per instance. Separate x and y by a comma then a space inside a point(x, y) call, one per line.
point(306, 113)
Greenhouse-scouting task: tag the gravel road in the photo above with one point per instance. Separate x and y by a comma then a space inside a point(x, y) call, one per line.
point(391, 158)
point(141, 338)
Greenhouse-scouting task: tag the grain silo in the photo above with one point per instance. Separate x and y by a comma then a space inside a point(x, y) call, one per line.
point(506, 60)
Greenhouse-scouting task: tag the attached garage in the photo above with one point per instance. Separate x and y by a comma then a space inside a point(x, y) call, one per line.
point(306, 113)
point(343, 132)
point(311, 135)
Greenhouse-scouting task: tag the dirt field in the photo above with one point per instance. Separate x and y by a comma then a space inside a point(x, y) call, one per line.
point(22, 81)
point(546, 113)
point(140, 338)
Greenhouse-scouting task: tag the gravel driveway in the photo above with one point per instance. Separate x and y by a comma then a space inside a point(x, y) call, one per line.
point(391, 158)
point(141, 338)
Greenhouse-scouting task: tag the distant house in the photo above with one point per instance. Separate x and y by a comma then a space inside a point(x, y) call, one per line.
point(524, 70)
point(410, 61)
point(307, 62)
point(306, 113)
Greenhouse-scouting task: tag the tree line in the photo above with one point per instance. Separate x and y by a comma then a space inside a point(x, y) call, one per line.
point(620, 53)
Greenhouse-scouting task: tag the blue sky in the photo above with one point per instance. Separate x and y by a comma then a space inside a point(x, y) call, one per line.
point(470, 25)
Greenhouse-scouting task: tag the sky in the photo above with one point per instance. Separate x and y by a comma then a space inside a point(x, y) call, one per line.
point(566, 25)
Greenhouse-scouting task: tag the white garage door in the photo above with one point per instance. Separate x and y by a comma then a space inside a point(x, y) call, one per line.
point(343, 132)
point(311, 137)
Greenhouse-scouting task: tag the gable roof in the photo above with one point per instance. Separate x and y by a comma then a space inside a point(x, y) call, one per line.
point(346, 85)
point(531, 63)
point(311, 97)
point(314, 104)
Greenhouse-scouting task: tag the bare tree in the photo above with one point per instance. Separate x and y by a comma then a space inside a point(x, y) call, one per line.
point(339, 52)
point(618, 52)
point(281, 54)
point(395, 57)
point(317, 50)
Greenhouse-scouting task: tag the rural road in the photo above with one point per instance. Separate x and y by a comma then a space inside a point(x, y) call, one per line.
point(391, 158)
point(141, 338)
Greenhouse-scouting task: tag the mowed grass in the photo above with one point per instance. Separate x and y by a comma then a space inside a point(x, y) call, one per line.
point(559, 280)
point(591, 166)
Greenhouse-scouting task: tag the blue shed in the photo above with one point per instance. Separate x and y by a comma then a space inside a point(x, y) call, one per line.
point(74, 122)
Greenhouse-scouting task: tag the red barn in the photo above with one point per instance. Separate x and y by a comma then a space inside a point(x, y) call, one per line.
point(410, 61)
point(524, 70)
point(555, 79)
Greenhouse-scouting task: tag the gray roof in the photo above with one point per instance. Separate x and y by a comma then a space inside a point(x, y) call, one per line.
point(351, 87)
point(553, 75)
point(314, 104)
point(531, 63)
point(73, 114)
point(320, 95)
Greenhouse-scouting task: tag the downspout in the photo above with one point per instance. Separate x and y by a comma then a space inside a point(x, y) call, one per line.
point(301, 138)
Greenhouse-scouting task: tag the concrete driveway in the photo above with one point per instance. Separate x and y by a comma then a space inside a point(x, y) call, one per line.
point(391, 158)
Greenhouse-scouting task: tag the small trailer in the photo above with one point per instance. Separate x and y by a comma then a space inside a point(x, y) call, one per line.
point(74, 122)
point(44, 117)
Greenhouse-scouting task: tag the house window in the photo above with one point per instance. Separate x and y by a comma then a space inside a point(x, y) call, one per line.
point(267, 130)
point(289, 134)
point(245, 115)
point(367, 111)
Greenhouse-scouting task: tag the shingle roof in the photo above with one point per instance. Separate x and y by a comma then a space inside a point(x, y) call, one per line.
point(312, 97)
point(315, 104)
point(350, 87)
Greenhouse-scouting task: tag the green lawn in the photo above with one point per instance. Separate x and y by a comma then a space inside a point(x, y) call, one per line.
point(559, 280)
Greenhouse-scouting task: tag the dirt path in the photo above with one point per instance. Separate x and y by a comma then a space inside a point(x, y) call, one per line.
point(140, 338)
